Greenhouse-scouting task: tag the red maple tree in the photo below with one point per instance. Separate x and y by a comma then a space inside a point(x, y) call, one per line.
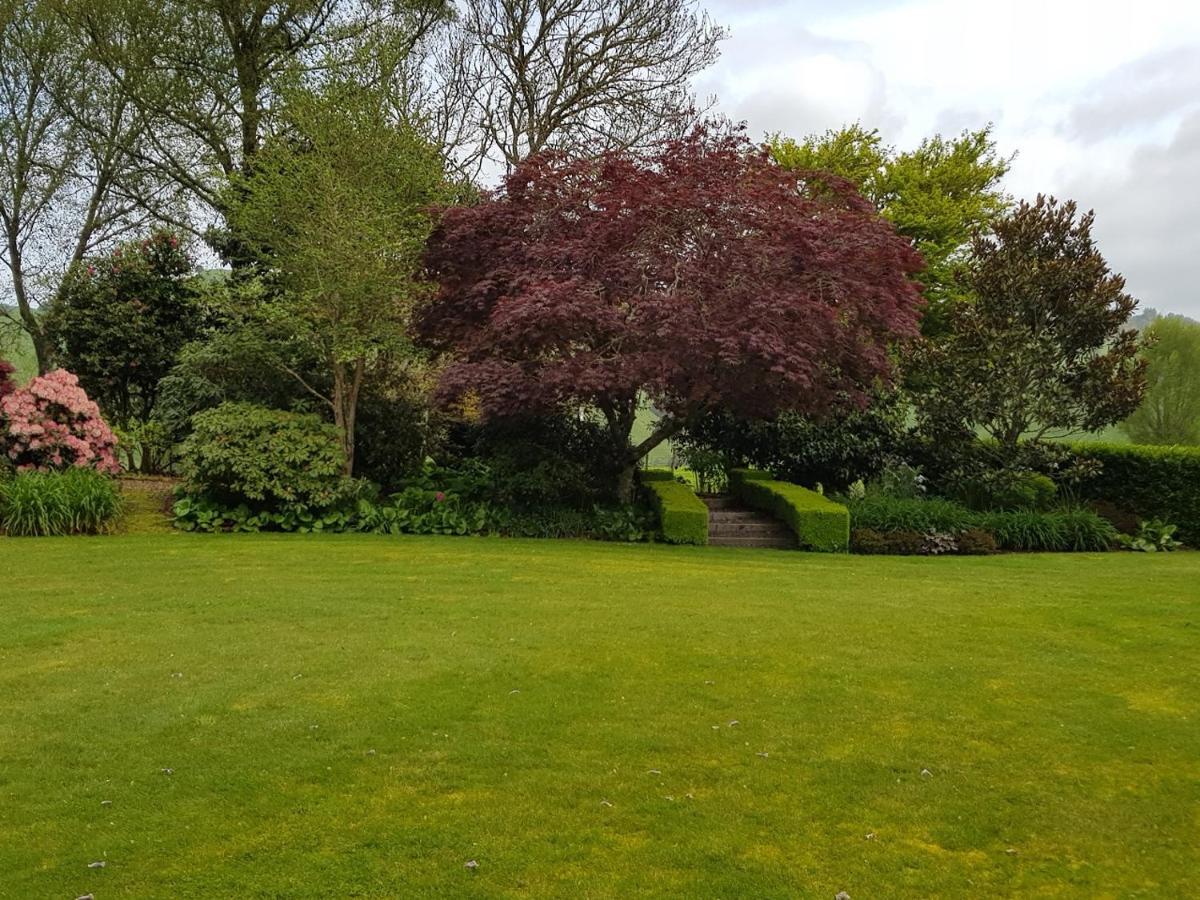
point(703, 276)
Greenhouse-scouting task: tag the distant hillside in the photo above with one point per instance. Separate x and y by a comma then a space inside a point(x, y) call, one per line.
point(1147, 316)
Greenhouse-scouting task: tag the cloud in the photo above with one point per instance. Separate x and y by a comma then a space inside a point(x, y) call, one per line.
point(1146, 222)
point(1138, 95)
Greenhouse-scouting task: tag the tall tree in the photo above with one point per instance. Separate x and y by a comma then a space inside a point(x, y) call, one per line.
point(938, 195)
point(338, 213)
point(579, 75)
point(70, 182)
point(1170, 414)
point(1042, 348)
point(705, 277)
point(206, 72)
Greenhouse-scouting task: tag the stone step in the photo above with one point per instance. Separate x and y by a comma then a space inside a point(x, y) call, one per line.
point(719, 501)
point(749, 528)
point(766, 543)
point(737, 515)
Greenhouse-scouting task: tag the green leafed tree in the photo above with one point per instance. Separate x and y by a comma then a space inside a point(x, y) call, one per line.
point(1170, 414)
point(937, 195)
point(1043, 348)
point(337, 211)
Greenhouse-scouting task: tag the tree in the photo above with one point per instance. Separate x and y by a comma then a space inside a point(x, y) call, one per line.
point(338, 214)
point(1042, 347)
point(1170, 414)
point(121, 320)
point(701, 277)
point(69, 181)
point(578, 75)
point(938, 195)
point(206, 73)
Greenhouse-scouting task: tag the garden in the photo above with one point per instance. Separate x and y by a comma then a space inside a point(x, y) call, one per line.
point(674, 514)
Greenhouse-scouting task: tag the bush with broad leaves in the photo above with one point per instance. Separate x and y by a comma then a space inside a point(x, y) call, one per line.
point(51, 424)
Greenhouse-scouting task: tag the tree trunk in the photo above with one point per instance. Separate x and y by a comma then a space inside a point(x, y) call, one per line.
point(346, 388)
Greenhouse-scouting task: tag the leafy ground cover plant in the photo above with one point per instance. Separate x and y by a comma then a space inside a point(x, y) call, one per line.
point(75, 501)
point(1152, 537)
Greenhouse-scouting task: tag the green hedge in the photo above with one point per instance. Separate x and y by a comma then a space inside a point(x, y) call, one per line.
point(1151, 482)
point(819, 523)
point(682, 515)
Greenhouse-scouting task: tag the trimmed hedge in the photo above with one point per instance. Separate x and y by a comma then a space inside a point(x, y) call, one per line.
point(682, 515)
point(819, 523)
point(1150, 482)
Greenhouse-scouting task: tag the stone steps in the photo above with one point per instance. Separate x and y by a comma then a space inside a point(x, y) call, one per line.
point(732, 525)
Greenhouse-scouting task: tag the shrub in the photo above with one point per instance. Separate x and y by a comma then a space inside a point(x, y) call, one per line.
point(835, 452)
point(1087, 532)
point(51, 424)
point(76, 501)
point(1150, 482)
point(819, 523)
point(682, 516)
point(891, 543)
point(6, 384)
point(266, 459)
point(1007, 489)
point(977, 542)
point(883, 513)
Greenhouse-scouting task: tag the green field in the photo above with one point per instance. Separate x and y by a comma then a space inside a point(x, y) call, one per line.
point(265, 716)
point(16, 347)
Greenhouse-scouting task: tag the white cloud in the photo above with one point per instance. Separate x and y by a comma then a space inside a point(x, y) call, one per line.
point(1097, 99)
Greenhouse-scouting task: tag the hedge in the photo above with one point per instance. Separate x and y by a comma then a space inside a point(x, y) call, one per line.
point(682, 515)
point(1151, 482)
point(819, 523)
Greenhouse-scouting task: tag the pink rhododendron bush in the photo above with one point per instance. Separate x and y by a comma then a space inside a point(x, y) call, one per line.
point(51, 424)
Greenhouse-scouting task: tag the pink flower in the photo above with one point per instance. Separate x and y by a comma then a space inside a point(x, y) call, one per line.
point(51, 424)
point(440, 497)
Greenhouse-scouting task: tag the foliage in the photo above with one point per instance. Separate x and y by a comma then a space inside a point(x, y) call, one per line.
point(701, 277)
point(977, 542)
point(120, 320)
point(395, 433)
point(531, 462)
point(268, 460)
point(74, 501)
point(819, 523)
point(1154, 536)
point(882, 513)
point(834, 450)
point(6, 383)
point(1004, 489)
point(1066, 530)
point(338, 211)
point(1042, 347)
point(937, 195)
point(1149, 482)
point(901, 480)
point(682, 516)
point(1170, 412)
point(868, 541)
point(708, 465)
point(51, 424)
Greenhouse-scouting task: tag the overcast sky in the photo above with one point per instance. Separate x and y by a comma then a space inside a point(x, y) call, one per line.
point(1099, 100)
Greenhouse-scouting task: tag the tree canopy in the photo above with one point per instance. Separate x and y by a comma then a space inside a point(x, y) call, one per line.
point(1043, 346)
point(938, 195)
point(702, 276)
point(1170, 414)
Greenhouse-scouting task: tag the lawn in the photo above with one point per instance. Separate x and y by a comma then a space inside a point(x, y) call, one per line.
point(269, 716)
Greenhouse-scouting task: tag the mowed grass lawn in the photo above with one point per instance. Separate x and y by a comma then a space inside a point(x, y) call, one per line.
point(264, 716)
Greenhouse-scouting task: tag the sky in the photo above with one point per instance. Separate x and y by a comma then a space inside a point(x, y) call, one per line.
point(1100, 102)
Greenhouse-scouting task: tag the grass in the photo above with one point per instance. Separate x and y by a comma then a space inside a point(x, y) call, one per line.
point(273, 716)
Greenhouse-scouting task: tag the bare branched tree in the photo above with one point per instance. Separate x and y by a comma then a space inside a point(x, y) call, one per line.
point(576, 75)
point(69, 183)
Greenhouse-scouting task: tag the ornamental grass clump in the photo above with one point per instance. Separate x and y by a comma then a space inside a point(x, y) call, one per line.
point(76, 501)
point(51, 424)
